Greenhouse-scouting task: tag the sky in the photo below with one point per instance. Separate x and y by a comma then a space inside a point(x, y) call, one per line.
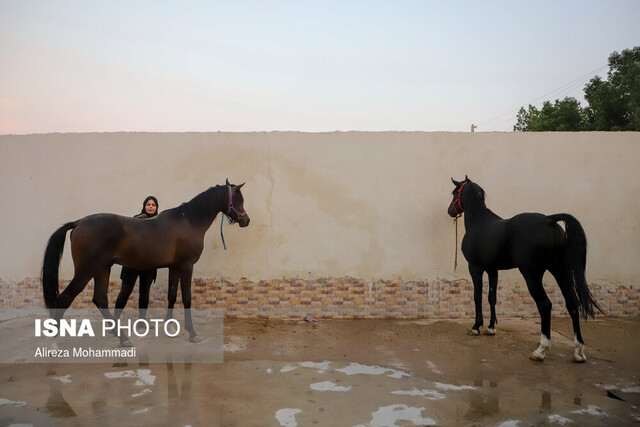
point(313, 66)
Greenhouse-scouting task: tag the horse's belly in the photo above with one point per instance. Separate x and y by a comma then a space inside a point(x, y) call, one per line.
point(494, 262)
point(490, 255)
point(141, 259)
point(139, 264)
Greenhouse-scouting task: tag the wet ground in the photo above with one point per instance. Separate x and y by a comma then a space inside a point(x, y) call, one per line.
point(350, 373)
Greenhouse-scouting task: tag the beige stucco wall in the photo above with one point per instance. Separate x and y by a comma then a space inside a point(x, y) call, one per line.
point(365, 205)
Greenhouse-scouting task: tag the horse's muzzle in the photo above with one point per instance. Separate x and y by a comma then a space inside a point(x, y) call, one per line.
point(243, 221)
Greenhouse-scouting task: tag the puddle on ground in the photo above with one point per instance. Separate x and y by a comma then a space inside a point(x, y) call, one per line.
point(287, 417)
point(328, 386)
point(4, 402)
point(142, 376)
point(64, 380)
point(235, 344)
point(388, 415)
point(290, 394)
point(392, 397)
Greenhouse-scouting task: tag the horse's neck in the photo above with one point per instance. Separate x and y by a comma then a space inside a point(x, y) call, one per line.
point(478, 213)
point(214, 202)
point(220, 203)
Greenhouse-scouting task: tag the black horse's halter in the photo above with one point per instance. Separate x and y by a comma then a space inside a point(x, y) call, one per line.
point(233, 208)
point(457, 205)
point(459, 210)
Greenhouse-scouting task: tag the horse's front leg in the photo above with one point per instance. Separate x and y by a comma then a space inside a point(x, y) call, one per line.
point(476, 277)
point(493, 289)
point(185, 288)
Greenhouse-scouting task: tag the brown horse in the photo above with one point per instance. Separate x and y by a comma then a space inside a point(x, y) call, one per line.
point(173, 239)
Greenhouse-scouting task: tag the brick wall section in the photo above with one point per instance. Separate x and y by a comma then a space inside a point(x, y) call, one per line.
point(340, 298)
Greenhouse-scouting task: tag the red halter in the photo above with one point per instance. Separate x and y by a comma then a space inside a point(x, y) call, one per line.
point(459, 211)
point(456, 203)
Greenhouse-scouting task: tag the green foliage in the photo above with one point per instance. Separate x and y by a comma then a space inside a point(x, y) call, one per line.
point(565, 115)
point(614, 104)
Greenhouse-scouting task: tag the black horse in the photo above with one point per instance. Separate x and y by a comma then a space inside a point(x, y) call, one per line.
point(533, 243)
point(173, 239)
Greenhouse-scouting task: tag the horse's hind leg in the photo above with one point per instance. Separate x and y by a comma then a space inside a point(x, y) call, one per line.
point(100, 287)
point(493, 290)
point(101, 300)
point(77, 284)
point(534, 283)
point(562, 276)
point(476, 276)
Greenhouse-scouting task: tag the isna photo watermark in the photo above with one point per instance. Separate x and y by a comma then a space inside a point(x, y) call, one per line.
point(88, 336)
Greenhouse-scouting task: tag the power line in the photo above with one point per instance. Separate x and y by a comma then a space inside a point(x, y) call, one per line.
point(557, 93)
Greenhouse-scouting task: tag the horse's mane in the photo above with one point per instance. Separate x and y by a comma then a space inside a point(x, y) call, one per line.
point(478, 191)
point(203, 207)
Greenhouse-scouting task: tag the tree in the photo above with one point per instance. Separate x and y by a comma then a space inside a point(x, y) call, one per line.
point(564, 115)
point(526, 119)
point(614, 104)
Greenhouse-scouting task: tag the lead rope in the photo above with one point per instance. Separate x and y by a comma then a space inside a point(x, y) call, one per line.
point(222, 235)
point(455, 261)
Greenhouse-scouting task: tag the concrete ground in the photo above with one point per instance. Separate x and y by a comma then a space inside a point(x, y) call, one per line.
point(351, 373)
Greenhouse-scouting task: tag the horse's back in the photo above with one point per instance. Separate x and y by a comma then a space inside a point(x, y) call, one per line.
point(533, 240)
point(527, 240)
point(101, 225)
point(95, 234)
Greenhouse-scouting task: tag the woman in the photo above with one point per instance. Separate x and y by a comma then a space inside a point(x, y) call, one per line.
point(129, 275)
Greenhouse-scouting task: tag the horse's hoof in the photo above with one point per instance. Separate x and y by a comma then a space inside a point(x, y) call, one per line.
point(171, 329)
point(195, 339)
point(579, 359)
point(578, 353)
point(535, 356)
point(490, 331)
point(126, 343)
point(473, 332)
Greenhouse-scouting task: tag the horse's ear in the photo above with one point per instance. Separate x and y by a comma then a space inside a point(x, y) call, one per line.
point(239, 186)
point(456, 183)
point(466, 178)
point(228, 181)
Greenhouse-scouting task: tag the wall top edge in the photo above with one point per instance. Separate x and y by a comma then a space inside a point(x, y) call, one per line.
point(306, 132)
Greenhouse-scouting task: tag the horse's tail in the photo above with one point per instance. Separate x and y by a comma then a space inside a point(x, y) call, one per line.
point(51, 264)
point(576, 247)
